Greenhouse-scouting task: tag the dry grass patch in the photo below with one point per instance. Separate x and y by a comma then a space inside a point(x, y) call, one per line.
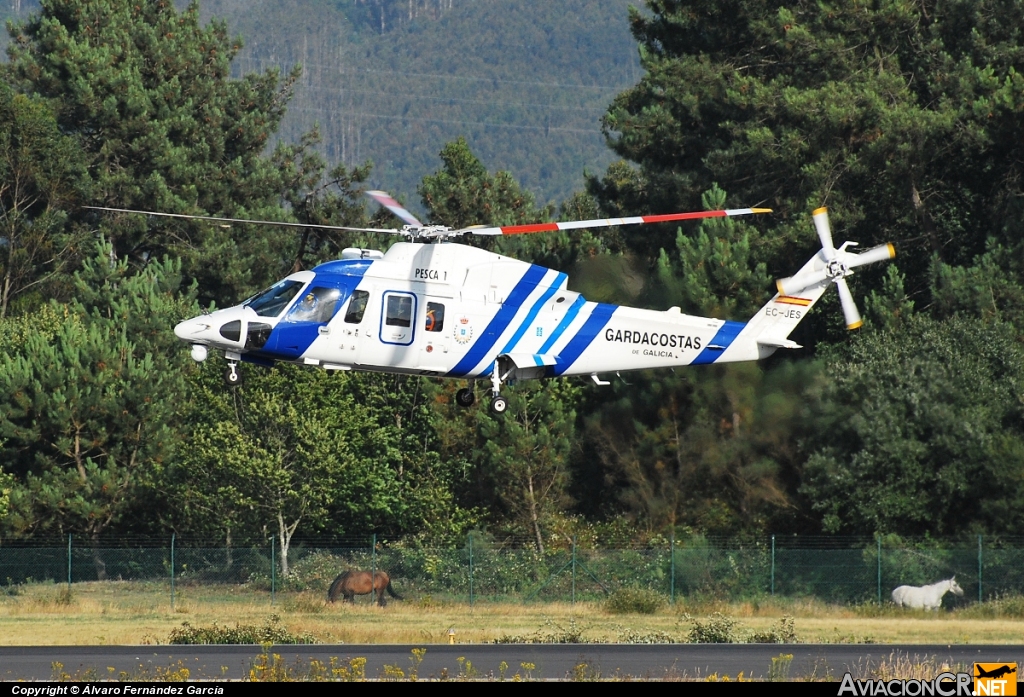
point(133, 613)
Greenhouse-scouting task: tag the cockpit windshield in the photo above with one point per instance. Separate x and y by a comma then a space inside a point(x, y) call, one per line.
point(273, 300)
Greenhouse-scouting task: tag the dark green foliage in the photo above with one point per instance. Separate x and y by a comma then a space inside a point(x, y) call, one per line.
point(715, 273)
point(41, 173)
point(707, 448)
point(90, 391)
point(921, 425)
point(147, 93)
point(901, 117)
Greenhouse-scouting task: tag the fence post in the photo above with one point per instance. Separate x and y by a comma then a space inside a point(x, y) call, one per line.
point(373, 565)
point(979, 568)
point(672, 567)
point(773, 566)
point(471, 569)
point(879, 539)
point(172, 572)
point(273, 570)
point(574, 570)
point(69, 562)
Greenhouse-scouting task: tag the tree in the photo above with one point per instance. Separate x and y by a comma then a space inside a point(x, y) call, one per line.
point(714, 448)
point(901, 117)
point(463, 193)
point(301, 451)
point(319, 196)
point(921, 432)
point(41, 172)
point(88, 399)
point(147, 93)
point(292, 446)
point(517, 464)
point(714, 272)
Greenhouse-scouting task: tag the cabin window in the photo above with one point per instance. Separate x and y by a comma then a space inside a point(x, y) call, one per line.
point(399, 311)
point(434, 321)
point(357, 308)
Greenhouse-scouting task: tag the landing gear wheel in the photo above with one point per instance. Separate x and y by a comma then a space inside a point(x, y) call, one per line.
point(232, 375)
point(465, 397)
point(498, 405)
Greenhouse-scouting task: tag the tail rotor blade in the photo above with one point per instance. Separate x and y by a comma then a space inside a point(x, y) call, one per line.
point(824, 232)
point(795, 284)
point(853, 320)
point(882, 252)
point(385, 199)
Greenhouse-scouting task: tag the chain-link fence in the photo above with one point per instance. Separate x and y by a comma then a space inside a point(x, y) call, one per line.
point(482, 569)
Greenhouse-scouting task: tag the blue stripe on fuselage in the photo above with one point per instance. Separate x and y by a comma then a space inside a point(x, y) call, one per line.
point(532, 315)
point(290, 340)
point(508, 311)
point(510, 346)
point(726, 335)
point(570, 315)
point(579, 343)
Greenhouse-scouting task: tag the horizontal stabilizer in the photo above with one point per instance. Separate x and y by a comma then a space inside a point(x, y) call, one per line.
point(778, 343)
point(532, 360)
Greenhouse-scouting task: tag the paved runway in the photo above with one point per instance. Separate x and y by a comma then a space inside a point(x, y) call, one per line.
point(549, 660)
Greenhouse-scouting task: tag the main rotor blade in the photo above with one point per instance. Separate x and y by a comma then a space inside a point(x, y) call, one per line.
point(820, 217)
point(385, 199)
point(850, 312)
point(609, 222)
point(249, 222)
point(882, 252)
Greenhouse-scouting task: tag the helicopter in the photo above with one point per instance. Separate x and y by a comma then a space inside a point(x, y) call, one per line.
point(455, 311)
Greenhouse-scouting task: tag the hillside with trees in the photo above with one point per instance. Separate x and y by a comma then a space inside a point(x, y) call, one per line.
point(903, 119)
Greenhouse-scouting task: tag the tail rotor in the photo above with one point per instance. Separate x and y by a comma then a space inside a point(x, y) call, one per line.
point(834, 265)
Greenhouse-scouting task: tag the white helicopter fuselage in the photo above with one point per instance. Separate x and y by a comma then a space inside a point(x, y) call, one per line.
point(454, 311)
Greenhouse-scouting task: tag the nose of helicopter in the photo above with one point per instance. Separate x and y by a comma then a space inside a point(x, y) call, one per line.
point(190, 328)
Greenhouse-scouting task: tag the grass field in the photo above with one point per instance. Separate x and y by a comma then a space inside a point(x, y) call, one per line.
point(137, 613)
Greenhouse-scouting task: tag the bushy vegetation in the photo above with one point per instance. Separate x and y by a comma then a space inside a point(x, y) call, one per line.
point(716, 629)
point(633, 600)
point(782, 632)
point(270, 632)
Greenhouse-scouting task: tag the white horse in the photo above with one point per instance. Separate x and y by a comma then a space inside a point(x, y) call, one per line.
point(927, 597)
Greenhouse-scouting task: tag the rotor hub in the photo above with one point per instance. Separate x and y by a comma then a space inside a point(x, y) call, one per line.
point(835, 269)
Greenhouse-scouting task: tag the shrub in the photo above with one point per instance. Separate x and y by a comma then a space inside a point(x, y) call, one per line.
point(716, 629)
point(271, 632)
point(632, 600)
point(782, 632)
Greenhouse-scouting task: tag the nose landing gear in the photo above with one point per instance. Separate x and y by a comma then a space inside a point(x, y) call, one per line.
point(232, 375)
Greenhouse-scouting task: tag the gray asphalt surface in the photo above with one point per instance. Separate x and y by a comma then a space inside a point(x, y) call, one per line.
point(549, 660)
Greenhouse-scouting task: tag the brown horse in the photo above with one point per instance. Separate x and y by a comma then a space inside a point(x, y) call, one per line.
point(353, 583)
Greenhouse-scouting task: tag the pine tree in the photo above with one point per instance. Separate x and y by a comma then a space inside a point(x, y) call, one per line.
point(86, 417)
point(147, 92)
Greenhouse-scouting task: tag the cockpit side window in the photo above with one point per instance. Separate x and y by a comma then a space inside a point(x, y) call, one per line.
point(273, 300)
point(357, 307)
point(317, 305)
